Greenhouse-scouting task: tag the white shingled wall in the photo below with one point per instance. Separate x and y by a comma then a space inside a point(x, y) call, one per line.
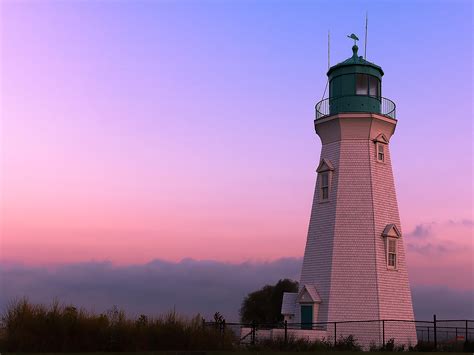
point(319, 244)
point(394, 288)
point(345, 252)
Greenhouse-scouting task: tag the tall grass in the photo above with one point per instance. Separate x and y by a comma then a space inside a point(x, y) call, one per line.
point(28, 327)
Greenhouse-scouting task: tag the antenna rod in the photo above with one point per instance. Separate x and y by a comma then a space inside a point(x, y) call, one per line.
point(329, 40)
point(365, 46)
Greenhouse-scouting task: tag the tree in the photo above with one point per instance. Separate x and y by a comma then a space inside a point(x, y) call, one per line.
point(264, 305)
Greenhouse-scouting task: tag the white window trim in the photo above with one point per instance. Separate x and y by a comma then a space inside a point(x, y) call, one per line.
point(381, 141)
point(325, 167)
point(321, 187)
point(395, 241)
point(391, 233)
point(379, 145)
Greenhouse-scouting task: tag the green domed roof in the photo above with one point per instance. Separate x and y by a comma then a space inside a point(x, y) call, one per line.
point(355, 60)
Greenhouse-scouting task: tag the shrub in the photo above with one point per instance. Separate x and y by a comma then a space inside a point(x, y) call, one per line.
point(423, 346)
point(264, 305)
point(348, 343)
point(391, 346)
point(468, 347)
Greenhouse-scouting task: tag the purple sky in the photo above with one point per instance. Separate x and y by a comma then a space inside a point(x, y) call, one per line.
point(135, 131)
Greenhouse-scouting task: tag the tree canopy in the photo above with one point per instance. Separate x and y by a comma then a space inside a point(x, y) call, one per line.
point(264, 305)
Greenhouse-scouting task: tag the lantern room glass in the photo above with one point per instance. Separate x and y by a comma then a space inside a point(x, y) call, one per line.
point(367, 85)
point(361, 84)
point(373, 86)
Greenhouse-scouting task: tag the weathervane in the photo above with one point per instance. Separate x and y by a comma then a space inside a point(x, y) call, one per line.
point(354, 37)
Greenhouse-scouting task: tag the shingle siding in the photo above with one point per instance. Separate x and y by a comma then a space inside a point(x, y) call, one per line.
point(345, 255)
point(319, 245)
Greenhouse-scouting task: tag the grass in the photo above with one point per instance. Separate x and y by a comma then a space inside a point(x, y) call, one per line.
point(29, 328)
point(56, 329)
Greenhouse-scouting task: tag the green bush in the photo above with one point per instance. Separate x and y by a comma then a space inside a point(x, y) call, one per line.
point(264, 305)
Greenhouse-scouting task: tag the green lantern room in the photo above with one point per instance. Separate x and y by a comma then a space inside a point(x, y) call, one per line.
point(355, 85)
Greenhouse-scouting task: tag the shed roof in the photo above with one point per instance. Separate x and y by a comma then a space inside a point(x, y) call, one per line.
point(311, 291)
point(391, 230)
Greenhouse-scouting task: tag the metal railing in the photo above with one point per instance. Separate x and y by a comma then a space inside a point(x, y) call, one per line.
point(333, 105)
point(376, 334)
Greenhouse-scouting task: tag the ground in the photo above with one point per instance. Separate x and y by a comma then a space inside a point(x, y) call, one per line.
point(221, 353)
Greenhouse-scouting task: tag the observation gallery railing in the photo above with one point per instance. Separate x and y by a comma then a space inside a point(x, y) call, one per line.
point(355, 103)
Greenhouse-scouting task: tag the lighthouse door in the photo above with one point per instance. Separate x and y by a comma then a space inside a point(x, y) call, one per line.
point(306, 316)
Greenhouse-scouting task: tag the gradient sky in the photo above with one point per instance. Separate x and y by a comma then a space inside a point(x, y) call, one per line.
point(132, 131)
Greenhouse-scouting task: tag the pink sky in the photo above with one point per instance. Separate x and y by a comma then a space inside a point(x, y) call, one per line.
point(129, 135)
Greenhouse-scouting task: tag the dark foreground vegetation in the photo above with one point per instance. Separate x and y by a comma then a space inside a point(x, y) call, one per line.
point(27, 327)
point(264, 305)
point(349, 345)
point(56, 328)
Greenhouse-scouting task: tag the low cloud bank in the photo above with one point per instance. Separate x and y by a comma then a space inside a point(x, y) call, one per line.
point(188, 286)
point(445, 302)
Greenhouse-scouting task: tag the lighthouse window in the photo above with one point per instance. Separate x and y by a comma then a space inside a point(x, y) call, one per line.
point(362, 84)
point(392, 253)
point(374, 86)
point(380, 152)
point(325, 185)
point(367, 85)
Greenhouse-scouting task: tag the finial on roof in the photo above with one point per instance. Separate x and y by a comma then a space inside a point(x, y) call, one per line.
point(354, 47)
point(354, 50)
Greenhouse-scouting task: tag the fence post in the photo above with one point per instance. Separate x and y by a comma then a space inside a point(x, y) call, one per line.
point(435, 339)
point(223, 327)
point(383, 333)
point(203, 323)
point(335, 334)
point(286, 332)
point(253, 332)
point(465, 338)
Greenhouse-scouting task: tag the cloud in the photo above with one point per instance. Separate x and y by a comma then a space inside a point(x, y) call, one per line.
point(428, 249)
point(446, 303)
point(421, 231)
point(189, 286)
point(464, 222)
point(441, 238)
point(432, 229)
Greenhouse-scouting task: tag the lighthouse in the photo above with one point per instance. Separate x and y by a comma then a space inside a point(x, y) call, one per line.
point(354, 266)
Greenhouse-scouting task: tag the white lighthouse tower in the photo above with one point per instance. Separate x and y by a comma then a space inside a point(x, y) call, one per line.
point(354, 264)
